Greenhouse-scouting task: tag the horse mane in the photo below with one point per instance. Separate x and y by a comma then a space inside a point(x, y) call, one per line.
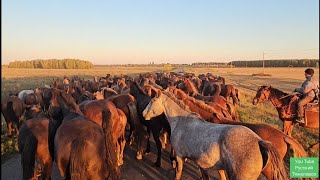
point(181, 104)
point(190, 85)
point(277, 91)
point(140, 90)
point(108, 90)
point(69, 101)
point(199, 103)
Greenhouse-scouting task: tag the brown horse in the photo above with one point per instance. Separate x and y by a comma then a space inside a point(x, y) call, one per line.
point(83, 150)
point(127, 104)
point(35, 143)
point(118, 120)
point(214, 100)
point(286, 109)
point(13, 110)
point(207, 112)
point(226, 90)
point(278, 139)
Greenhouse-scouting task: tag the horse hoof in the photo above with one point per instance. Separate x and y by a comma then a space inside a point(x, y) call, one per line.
point(174, 164)
point(139, 156)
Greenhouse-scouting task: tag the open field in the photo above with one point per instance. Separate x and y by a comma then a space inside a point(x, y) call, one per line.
point(285, 79)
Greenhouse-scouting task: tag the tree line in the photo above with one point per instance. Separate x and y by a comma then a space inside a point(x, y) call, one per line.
point(277, 63)
point(52, 64)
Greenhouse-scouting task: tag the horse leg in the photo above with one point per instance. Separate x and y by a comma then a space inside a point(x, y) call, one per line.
point(204, 174)
point(290, 128)
point(222, 175)
point(163, 139)
point(179, 167)
point(47, 169)
point(155, 133)
point(148, 141)
point(9, 127)
point(173, 158)
point(286, 127)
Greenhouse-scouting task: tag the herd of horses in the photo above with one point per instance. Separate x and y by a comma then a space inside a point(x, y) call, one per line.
point(81, 124)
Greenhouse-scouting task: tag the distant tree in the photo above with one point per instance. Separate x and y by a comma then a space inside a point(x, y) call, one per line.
point(52, 64)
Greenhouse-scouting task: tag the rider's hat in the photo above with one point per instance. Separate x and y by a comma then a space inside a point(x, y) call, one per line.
point(309, 71)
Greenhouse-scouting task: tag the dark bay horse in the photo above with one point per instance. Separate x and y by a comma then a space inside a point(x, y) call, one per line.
point(281, 101)
point(235, 149)
point(13, 110)
point(35, 144)
point(118, 120)
point(156, 124)
point(83, 149)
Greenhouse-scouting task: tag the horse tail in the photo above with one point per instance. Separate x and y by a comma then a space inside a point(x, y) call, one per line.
point(233, 111)
point(28, 153)
point(133, 113)
point(11, 113)
point(77, 166)
point(111, 156)
point(277, 166)
point(298, 150)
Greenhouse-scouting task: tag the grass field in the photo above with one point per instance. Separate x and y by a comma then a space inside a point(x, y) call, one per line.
point(285, 79)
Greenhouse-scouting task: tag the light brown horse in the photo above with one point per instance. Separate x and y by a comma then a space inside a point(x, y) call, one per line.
point(207, 112)
point(214, 100)
point(118, 120)
point(83, 149)
point(281, 102)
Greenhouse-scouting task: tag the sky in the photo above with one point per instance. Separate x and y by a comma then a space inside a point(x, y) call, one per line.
point(167, 31)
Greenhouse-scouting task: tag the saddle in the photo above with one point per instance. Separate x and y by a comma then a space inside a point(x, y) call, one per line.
point(289, 111)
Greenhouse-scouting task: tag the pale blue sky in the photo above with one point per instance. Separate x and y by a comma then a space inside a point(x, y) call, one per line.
point(141, 31)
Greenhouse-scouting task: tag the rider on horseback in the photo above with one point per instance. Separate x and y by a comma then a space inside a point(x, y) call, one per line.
point(309, 90)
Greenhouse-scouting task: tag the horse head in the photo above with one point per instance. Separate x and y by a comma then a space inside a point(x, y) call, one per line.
point(154, 108)
point(60, 103)
point(262, 95)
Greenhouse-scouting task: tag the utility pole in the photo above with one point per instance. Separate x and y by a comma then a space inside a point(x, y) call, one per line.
point(263, 60)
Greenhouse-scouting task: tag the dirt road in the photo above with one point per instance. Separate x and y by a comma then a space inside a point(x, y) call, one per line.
point(132, 168)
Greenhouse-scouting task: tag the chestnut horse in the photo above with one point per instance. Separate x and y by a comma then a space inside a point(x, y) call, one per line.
point(118, 120)
point(217, 99)
point(281, 101)
point(83, 149)
point(13, 110)
point(127, 104)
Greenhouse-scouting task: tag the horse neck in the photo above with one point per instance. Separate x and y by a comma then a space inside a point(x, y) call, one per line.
point(275, 98)
point(173, 111)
